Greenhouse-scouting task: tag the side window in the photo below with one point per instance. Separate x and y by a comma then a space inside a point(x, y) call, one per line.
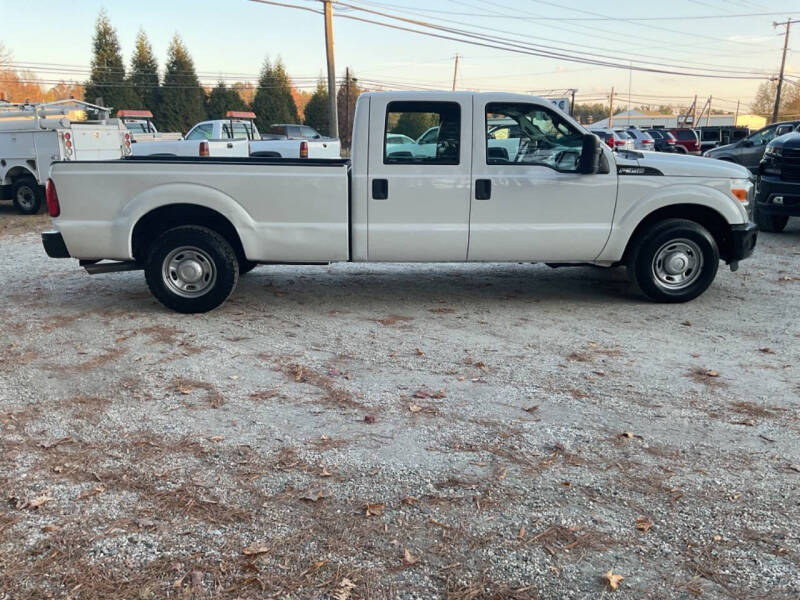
point(201, 132)
point(441, 121)
point(240, 131)
point(763, 137)
point(308, 132)
point(784, 129)
point(528, 134)
point(226, 131)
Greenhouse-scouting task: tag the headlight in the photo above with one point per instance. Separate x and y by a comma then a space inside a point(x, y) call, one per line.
point(773, 151)
point(740, 189)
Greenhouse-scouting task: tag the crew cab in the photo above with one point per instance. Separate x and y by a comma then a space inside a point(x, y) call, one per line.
point(557, 195)
point(778, 187)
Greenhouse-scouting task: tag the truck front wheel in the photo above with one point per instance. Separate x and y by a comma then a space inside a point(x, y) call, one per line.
point(27, 195)
point(673, 261)
point(191, 269)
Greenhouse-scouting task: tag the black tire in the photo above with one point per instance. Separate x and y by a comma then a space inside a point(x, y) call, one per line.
point(674, 260)
point(681, 150)
point(27, 195)
point(200, 252)
point(245, 266)
point(769, 223)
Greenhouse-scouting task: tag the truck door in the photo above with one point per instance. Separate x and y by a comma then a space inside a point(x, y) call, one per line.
point(528, 201)
point(418, 196)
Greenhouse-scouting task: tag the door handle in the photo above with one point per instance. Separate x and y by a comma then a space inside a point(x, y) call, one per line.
point(483, 189)
point(380, 189)
point(230, 145)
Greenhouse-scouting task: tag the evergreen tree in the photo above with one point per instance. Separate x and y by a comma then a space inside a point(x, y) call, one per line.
point(107, 79)
point(273, 102)
point(346, 98)
point(182, 101)
point(415, 124)
point(144, 73)
point(221, 100)
point(764, 103)
point(316, 111)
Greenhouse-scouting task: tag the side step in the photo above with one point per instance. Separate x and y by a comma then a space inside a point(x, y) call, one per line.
point(97, 268)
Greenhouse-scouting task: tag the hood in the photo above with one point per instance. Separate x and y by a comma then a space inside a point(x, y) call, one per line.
point(788, 140)
point(721, 149)
point(683, 165)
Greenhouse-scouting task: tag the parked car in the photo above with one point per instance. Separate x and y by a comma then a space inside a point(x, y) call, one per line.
point(32, 136)
point(292, 131)
point(713, 136)
point(194, 226)
point(778, 186)
point(686, 140)
point(641, 139)
point(663, 140)
point(614, 139)
point(749, 151)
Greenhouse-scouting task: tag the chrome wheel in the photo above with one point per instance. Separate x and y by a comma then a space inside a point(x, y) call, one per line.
point(677, 264)
point(26, 197)
point(188, 272)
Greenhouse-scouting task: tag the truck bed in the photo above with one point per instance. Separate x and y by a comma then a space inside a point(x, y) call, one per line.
point(284, 210)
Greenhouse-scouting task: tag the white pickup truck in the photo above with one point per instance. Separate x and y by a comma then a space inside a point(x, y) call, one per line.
point(561, 197)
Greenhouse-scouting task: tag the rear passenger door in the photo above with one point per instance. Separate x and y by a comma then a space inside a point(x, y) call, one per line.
point(418, 206)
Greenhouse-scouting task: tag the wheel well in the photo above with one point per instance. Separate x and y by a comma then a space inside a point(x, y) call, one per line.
point(15, 173)
point(716, 224)
point(159, 220)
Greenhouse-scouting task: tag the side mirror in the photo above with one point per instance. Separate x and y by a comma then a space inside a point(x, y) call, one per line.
point(589, 163)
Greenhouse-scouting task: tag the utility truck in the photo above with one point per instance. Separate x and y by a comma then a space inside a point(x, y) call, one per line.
point(139, 124)
point(558, 196)
point(32, 136)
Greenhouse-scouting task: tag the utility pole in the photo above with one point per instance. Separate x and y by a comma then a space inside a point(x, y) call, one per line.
point(788, 24)
point(572, 102)
point(708, 118)
point(736, 115)
point(346, 100)
point(694, 112)
point(611, 110)
point(455, 73)
point(333, 115)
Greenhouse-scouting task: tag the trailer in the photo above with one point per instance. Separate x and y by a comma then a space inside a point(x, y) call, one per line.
point(33, 136)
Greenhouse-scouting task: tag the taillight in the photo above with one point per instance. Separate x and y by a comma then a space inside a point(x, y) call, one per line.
point(619, 142)
point(303, 149)
point(610, 142)
point(204, 148)
point(52, 199)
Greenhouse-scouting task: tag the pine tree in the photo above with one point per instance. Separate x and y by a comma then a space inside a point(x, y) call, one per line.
point(144, 73)
point(221, 100)
point(316, 111)
point(273, 102)
point(107, 79)
point(346, 106)
point(182, 101)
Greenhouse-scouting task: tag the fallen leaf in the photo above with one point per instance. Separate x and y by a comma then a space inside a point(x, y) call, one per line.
point(216, 438)
point(325, 472)
point(766, 350)
point(374, 510)
point(419, 352)
point(37, 502)
point(711, 373)
point(370, 419)
point(408, 558)
point(687, 323)
point(414, 408)
point(531, 408)
point(643, 524)
point(613, 580)
point(184, 389)
point(314, 495)
point(408, 500)
point(254, 549)
point(480, 364)
point(345, 590)
point(795, 467)
point(53, 444)
point(521, 534)
point(49, 528)
point(502, 474)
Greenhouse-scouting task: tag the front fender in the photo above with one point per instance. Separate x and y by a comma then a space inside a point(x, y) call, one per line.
point(183, 193)
point(634, 205)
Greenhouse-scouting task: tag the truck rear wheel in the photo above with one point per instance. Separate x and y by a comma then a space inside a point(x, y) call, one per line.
point(191, 269)
point(673, 261)
point(28, 195)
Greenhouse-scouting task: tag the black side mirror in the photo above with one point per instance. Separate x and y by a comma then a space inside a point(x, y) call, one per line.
point(589, 163)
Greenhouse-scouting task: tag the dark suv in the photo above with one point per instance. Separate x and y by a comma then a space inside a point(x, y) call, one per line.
point(778, 184)
point(664, 140)
point(748, 151)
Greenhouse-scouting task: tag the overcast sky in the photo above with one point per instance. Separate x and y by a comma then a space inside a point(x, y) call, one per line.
point(232, 37)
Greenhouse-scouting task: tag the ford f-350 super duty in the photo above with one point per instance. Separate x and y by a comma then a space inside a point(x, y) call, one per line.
point(541, 188)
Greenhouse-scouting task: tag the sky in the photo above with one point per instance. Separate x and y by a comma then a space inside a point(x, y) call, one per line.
point(230, 39)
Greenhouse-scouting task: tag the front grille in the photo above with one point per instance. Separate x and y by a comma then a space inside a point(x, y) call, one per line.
point(790, 164)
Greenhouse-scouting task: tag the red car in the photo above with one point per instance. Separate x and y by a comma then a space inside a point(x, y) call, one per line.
point(687, 139)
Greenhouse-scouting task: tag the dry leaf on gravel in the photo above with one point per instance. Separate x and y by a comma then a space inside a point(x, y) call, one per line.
point(345, 590)
point(414, 408)
point(37, 502)
point(613, 580)
point(408, 500)
point(314, 495)
point(425, 394)
point(419, 352)
point(374, 510)
point(53, 444)
point(325, 472)
point(370, 419)
point(531, 409)
point(255, 549)
point(766, 350)
point(409, 558)
point(643, 524)
point(521, 534)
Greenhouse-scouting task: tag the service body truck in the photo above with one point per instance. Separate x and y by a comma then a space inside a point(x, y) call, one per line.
point(139, 124)
point(558, 196)
point(32, 136)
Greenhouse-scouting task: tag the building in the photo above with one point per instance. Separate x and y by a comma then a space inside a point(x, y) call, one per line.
point(645, 120)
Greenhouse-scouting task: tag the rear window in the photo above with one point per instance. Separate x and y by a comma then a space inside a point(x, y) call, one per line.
point(414, 118)
point(655, 134)
point(686, 135)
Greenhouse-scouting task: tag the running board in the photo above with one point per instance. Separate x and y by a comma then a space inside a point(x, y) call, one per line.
point(98, 268)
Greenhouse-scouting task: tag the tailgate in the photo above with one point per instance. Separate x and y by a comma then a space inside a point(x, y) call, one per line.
point(96, 142)
point(228, 147)
point(324, 149)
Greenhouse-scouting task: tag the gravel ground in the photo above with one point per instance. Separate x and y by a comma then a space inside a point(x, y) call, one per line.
point(391, 431)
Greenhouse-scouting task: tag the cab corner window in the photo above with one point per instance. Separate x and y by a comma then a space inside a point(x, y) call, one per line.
point(422, 133)
point(528, 134)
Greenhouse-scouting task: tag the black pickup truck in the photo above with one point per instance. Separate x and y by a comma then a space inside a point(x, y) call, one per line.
point(778, 185)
